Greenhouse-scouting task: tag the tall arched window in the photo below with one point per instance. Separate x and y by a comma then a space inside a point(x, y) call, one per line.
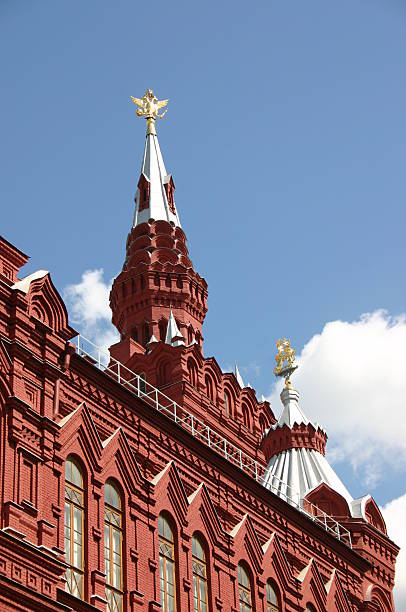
point(310, 608)
point(272, 599)
point(199, 566)
point(166, 565)
point(228, 404)
point(74, 528)
point(246, 416)
point(209, 387)
point(113, 555)
point(193, 374)
point(244, 590)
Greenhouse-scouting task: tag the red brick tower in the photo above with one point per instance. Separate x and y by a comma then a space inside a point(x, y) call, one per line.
point(157, 274)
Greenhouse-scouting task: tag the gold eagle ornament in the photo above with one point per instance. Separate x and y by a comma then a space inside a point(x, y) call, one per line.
point(149, 107)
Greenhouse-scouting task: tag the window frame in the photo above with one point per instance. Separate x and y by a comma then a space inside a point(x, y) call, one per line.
point(197, 576)
point(112, 528)
point(270, 606)
point(163, 544)
point(70, 502)
point(245, 591)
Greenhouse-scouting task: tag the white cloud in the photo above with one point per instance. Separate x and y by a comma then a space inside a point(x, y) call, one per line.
point(88, 306)
point(394, 514)
point(352, 380)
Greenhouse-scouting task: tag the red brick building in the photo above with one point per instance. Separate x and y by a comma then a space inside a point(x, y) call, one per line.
point(148, 479)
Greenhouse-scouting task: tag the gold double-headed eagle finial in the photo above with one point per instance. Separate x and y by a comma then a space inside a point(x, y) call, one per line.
point(149, 105)
point(285, 360)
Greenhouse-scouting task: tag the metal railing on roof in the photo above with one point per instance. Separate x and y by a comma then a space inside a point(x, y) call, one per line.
point(160, 402)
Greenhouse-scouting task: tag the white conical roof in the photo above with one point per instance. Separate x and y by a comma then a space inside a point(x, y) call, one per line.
point(173, 335)
point(154, 171)
point(292, 474)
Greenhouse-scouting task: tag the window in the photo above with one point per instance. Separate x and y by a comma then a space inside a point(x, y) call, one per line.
point(166, 564)
point(209, 387)
point(199, 566)
point(244, 590)
point(113, 556)
point(310, 608)
point(272, 600)
point(227, 403)
point(142, 383)
point(193, 374)
point(74, 528)
point(246, 416)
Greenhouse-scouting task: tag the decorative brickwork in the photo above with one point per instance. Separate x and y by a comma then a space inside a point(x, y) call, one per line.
point(132, 464)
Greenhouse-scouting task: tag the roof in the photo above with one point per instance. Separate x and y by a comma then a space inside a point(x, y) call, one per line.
point(293, 473)
point(154, 172)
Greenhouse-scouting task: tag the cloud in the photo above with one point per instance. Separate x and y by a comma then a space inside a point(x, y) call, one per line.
point(352, 380)
point(394, 514)
point(88, 306)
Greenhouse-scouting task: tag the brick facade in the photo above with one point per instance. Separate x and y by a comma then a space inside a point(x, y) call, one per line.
point(57, 404)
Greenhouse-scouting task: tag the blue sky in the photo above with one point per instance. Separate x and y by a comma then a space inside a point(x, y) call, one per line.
point(286, 138)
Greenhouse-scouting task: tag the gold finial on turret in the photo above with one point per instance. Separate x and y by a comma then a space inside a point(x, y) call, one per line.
point(149, 106)
point(285, 360)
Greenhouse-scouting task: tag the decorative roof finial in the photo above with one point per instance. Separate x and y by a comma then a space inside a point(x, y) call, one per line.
point(149, 107)
point(285, 359)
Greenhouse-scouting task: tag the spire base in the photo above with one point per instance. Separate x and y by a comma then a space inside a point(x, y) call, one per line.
point(151, 131)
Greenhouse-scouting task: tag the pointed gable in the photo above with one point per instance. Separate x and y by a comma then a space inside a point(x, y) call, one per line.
point(247, 544)
point(276, 565)
point(336, 596)
point(202, 513)
point(312, 586)
point(78, 434)
point(45, 303)
point(169, 492)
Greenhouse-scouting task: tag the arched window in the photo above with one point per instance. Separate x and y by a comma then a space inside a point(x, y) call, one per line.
point(162, 331)
point(199, 566)
point(189, 335)
point(244, 590)
point(272, 599)
point(74, 528)
point(166, 565)
point(262, 423)
point(310, 608)
point(192, 369)
point(209, 387)
point(246, 416)
point(141, 382)
point(164, 370)
point(228, 404)
point(113, 542)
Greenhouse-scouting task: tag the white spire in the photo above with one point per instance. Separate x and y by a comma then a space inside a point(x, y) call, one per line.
point(153, 175)
point(238, 376)
point(291, 412)
point(173, 335)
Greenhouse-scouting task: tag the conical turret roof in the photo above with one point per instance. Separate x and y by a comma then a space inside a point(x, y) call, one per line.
point(154, 196)
point(299, 467)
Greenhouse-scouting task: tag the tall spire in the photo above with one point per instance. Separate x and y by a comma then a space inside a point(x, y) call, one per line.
point(158, 293)
point(154, 198)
